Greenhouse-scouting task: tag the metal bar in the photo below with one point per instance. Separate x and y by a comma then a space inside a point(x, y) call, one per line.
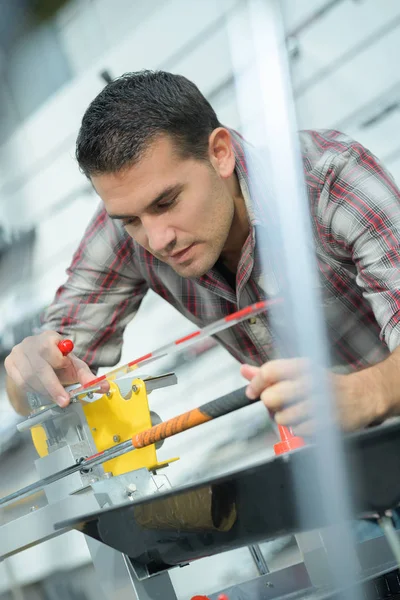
point(179, 344)
point(259, 559)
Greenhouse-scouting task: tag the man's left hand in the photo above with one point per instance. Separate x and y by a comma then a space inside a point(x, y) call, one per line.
point(284, 387)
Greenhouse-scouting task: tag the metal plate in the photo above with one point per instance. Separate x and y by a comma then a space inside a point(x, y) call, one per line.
point(263, 498)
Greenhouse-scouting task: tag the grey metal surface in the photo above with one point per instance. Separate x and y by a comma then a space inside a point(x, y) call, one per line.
point(259, 559)
point(130, 486)
point(40, 416)
point(118, 579)
point(38, 525)
point(59, 460)
point(316, 549)
point(292, 582)
point(160, 381)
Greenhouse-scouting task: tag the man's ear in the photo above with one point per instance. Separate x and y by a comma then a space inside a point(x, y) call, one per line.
point(221, 152)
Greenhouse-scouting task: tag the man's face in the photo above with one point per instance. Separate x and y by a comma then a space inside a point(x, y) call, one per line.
point(180, 210)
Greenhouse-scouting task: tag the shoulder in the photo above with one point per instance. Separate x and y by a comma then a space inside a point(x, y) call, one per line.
point(321, 146)
point(329, 154)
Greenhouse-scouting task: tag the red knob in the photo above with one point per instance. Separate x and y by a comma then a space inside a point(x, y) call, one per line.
point(66, 346)
point(288, 442)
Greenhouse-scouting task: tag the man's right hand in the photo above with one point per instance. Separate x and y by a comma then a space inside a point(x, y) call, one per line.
point(37, 365)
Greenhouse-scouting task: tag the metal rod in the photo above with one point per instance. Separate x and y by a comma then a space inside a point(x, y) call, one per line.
point(179, 344)
point(86, 464)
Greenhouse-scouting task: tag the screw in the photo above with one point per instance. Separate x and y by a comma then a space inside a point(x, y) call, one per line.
point(269, 584)
point(108, 394)
point(116, 438)
point(135, 388)
point(94, 429)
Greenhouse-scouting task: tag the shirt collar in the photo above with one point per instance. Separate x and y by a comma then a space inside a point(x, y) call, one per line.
point(256, 205)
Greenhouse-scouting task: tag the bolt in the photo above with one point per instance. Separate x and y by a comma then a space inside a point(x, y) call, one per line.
point(131, 487)
point(131, 497)
point(116, 438)
point(269, 584)
point(135, 388)
point(108, 475)
point(33, 508)
point(90, 395)
point(108, 394)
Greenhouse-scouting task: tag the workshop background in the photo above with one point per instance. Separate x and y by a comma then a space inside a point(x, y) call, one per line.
point(55, 56)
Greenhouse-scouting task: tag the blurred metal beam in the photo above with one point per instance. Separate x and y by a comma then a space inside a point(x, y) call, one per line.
point(370, 40)
point(276, 177)
point(314, 17)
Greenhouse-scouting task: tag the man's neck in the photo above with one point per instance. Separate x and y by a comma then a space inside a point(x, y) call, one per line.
point(230, 255)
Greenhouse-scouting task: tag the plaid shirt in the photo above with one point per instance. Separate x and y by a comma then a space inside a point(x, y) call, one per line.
point(355, 214)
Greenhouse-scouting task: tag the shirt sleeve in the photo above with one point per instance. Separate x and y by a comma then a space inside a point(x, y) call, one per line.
point(360, 216)
point(103, 292)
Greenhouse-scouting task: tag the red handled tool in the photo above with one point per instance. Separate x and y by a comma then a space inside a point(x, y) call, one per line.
point(66, 346)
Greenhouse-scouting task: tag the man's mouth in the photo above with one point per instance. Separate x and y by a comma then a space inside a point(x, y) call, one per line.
point(182, 255)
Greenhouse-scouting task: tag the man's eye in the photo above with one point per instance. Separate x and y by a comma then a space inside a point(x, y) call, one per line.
point(166, 204)
point(131, 221)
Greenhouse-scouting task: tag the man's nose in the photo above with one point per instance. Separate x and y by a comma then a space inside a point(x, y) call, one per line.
point(160, 237)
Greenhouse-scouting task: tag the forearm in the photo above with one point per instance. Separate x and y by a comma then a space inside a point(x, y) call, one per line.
point(17, 397)
point(381, 383)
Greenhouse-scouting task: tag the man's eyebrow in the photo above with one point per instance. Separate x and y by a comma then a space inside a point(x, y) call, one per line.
point(166, 193)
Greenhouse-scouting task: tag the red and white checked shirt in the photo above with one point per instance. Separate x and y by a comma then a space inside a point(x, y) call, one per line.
point(355, 213)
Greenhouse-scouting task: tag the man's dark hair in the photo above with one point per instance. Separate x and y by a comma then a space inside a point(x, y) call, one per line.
point(131, 111)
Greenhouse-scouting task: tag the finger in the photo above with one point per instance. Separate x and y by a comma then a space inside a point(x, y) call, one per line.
point(279, 395)
point(13, 373)
point(248, 371)
point(294, 415)
point(85, 375)
point(274, 371)
point(50, 352)
point(42, 379)
point(39, 378)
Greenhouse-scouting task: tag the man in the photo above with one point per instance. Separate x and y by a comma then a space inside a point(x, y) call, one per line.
point(176, 217)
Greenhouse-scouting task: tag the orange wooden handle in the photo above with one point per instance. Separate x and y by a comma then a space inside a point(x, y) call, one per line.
point(206, 412)
point(187, 420)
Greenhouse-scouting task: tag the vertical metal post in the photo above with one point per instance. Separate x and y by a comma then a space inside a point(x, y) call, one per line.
point(276, 178)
